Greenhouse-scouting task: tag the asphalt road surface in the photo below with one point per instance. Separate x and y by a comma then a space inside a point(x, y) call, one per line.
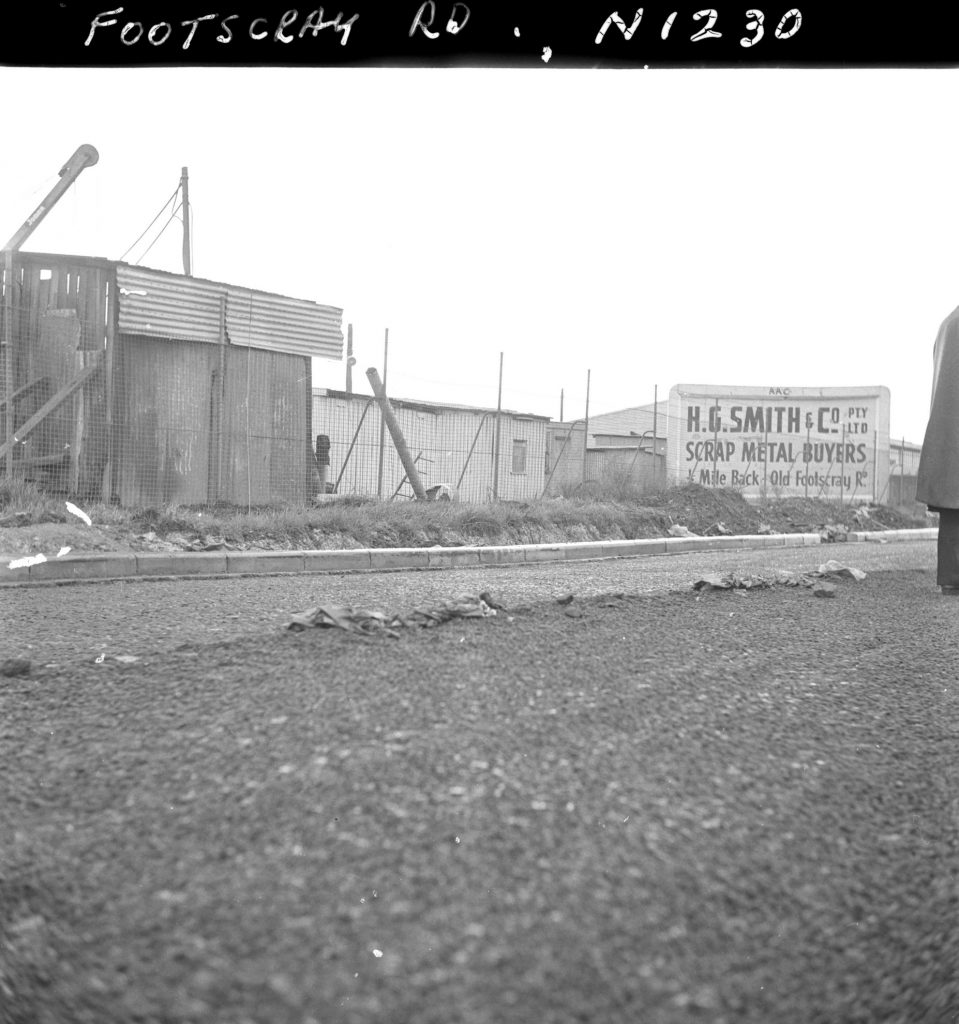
point(645, 804)
point(63, 622)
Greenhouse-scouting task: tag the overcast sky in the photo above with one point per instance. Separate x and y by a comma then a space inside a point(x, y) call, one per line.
point(753, 227)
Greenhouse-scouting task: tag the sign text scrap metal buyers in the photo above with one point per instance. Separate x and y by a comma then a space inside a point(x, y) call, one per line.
point(812, 441)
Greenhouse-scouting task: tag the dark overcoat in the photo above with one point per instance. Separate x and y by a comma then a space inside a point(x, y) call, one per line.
point(938, 481)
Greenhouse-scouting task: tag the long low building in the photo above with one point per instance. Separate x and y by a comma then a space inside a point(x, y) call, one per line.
point(452, 446)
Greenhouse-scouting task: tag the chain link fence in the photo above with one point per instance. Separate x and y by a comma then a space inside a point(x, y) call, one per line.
point(146, 419)
point(149, 421)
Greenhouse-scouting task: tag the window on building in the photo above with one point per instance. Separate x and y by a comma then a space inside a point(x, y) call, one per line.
point(519, 456)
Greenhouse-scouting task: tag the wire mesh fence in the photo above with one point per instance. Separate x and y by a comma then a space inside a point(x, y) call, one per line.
point(451, 448)
point(149, 419)
point(52, 392)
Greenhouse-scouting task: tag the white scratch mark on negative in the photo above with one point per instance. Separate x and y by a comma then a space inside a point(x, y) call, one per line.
point(547, 53)
point(100, 659)
point(63, 551)
point(79, 513)
point(22, 563)
point(377, 952)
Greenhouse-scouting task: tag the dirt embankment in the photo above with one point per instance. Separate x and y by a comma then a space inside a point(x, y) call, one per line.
point(353, 524)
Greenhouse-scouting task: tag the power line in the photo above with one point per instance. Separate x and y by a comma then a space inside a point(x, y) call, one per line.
point(173, 217)
point(152, 222)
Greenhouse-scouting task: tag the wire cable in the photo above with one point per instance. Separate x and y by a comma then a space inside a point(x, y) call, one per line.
point(173, 217)
point(152, 222)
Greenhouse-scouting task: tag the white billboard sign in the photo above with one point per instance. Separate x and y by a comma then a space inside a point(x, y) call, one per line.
point(781, 441)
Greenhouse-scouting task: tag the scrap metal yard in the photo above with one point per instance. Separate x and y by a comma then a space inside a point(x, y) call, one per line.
point(617, 799)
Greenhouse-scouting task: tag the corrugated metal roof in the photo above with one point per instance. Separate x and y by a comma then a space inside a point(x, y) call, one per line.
point(424, 406)
point(159, 304)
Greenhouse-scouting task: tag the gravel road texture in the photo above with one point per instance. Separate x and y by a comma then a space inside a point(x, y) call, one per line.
point(661, 806)
point(59, 623)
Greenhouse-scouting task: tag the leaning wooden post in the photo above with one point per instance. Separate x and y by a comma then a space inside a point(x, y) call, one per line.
point(902, 473)
point(496, 433)
point(389, 418)
point(379, 471)
point(586, 430)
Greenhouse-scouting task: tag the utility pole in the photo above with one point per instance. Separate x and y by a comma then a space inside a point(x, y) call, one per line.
point(379, 472)
point(902, 473)
point(350, 360)
point(586, 426)
point(655, 413)
point(499, 409)
point(560, 405)
point(185, 206)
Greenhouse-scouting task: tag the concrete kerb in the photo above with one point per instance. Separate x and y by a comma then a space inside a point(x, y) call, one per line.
point(118, 565)
point(885, 536)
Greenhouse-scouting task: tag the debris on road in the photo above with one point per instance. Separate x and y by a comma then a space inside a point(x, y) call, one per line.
point(79, 513)
point(832, 534)
point(25, 563)
point(681, 531)
point(753, 581)
point(834, 568)
point(209, 543)
point(824, 590)
point(366, 621)
point(15, 667)
point(731, 580)
point(565, 599)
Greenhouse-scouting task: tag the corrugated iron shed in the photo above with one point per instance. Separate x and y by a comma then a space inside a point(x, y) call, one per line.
point(432, 407)
point(156, 303)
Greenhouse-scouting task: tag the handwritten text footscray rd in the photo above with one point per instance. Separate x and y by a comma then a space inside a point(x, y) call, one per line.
point(432, 20)
point(288, 27)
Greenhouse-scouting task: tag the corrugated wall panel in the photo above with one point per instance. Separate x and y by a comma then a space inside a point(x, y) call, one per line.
point(163, 400)
point(279, 324)
point(164, 305)
point(357, 468)
point(522, 486)
point(442, 439)
point(626, 469)
point(170, 305)
point(264, 428)
point(468, 436)
point(624, 421)
point(565, 457)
